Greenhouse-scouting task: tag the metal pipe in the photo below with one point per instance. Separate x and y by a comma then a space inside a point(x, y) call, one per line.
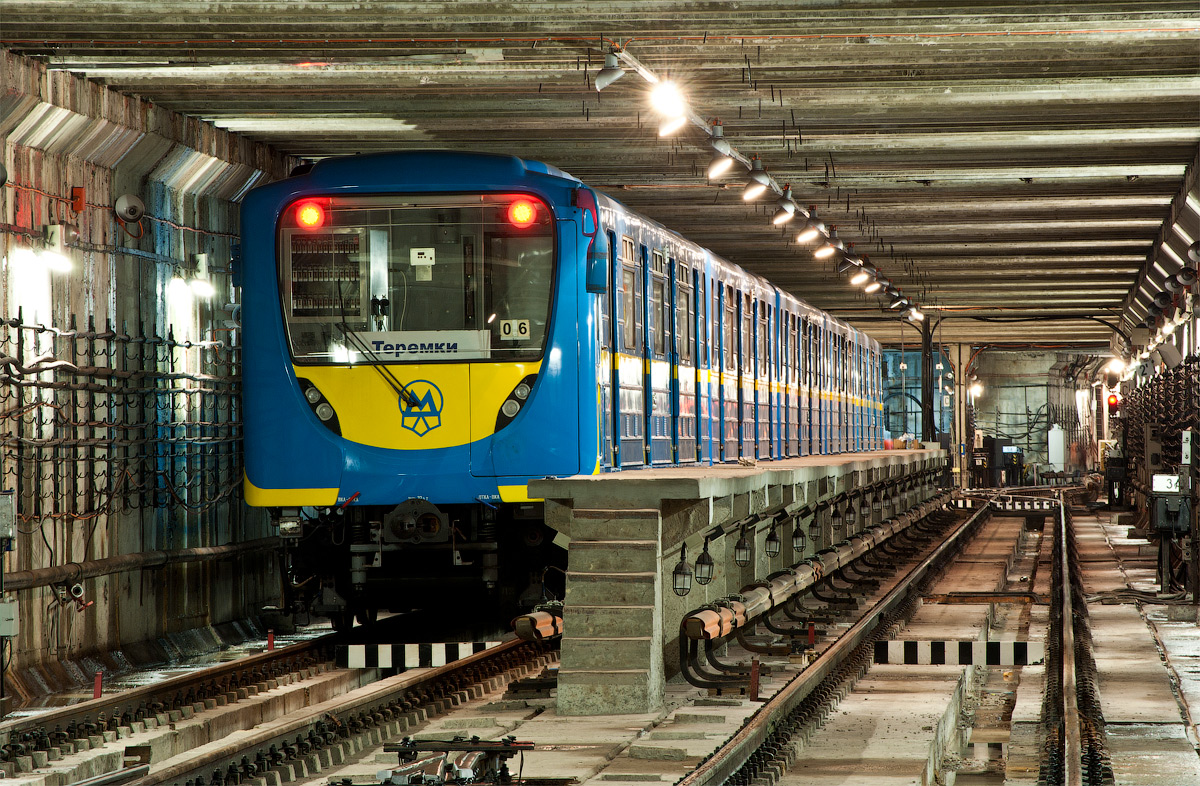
point(122, 563)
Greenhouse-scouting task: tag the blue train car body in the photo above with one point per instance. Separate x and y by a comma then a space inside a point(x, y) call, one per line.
point(424, 332)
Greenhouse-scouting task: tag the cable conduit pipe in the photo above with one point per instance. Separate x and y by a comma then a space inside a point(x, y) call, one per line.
point(123, 563)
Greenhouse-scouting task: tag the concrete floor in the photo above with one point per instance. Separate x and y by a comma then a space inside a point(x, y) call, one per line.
point(1144, 696)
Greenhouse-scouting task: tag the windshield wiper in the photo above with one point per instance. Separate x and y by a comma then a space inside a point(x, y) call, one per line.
point(376, 363)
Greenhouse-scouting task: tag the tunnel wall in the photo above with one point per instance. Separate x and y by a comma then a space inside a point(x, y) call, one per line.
point(119, 406)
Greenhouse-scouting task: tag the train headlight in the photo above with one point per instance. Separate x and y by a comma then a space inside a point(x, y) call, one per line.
point(510, 408)
point(521, 391)
point(324, 411)
point(313, 395)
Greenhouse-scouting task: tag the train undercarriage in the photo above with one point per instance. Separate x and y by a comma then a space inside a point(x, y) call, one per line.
point(350, 563)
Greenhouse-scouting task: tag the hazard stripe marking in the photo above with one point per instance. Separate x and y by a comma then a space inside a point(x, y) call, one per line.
point(407, 656)
point(960, 653)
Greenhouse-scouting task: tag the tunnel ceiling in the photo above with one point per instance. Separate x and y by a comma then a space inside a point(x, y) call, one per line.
point(1006, 162)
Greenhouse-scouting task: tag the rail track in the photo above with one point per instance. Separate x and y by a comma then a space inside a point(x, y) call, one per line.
point(308, 726)
point(1073, 751)
point(306, 741)
point(763, 746)
point(225, 683)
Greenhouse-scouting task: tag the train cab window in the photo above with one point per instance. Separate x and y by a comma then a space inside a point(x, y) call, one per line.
point(415, 279)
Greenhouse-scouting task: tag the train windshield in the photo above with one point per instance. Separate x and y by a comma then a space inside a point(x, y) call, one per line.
point(400, 279)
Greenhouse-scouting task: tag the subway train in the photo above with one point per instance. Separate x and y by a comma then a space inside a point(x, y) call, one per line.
point(424, 332)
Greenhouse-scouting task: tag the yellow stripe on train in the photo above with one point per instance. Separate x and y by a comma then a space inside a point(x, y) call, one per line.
point(459, 401)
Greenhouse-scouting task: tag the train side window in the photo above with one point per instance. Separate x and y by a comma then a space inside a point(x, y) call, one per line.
point(747, 332)
point(730, 324)
point(763, 348)
point(606, 299)
point(628, 284)
point(658, 314)
point(793, 357)
point(683, 312)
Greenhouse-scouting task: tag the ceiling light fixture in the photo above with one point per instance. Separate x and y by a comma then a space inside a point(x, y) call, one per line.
point(667, 100)
point(813, 227)
point(757, 181)
point(722, 160)
point(786, 207)
point(611, 72)
point(867, 273)
point(830, 245)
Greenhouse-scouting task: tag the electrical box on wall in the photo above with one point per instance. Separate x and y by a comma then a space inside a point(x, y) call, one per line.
point(1170, 503)
point(8, 515)
point(8, 616)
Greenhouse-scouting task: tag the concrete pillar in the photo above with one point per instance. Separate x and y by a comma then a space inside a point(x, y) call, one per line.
point(612, 658)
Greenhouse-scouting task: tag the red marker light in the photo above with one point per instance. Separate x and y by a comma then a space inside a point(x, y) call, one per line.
point(310, 215)
point(522, 213)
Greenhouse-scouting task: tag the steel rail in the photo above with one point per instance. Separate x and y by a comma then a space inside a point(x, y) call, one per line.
point(163, 690)
point(369, 698)
point(1073, 756)
point(737, 750)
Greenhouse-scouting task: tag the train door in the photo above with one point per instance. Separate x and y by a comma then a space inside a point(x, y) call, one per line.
point(794, 356)
point(854, 434)
point(877, 397)
point(606, 374)
point(823, 384)
point(728, 381)
point(746, 421)
point(806, 365)
point(702, 348)
point(782, 382)
point(684, 379)
point(762, 380)
point(657, 363)
point(629, 376)
point(839, 391)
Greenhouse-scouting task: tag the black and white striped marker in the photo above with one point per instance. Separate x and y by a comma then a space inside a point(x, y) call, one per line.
point(407, 656)
point(960, 653)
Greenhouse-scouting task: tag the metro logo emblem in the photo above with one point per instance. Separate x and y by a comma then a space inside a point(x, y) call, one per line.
point(427, 414)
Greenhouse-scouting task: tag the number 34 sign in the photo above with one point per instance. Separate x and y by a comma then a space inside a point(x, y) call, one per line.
point(514, 329)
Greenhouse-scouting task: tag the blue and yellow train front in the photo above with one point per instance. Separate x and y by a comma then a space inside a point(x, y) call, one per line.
point(412, 359)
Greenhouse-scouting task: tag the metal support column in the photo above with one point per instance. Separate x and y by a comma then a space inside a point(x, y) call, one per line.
point(928, 433)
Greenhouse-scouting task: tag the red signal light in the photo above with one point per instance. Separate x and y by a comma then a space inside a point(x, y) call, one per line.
point(1114, 404)
point(310, 215)
point(522, 213)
